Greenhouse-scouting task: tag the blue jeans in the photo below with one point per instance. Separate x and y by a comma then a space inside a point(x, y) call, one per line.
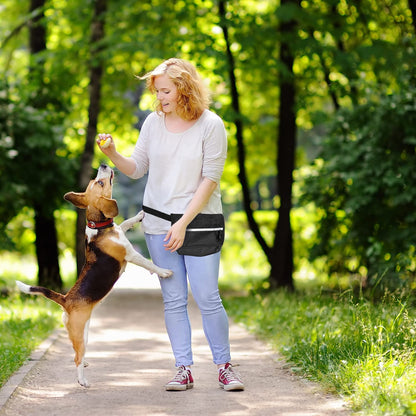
point(202, 273)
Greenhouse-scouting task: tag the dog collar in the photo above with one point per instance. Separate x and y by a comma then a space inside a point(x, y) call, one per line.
point(100, 225)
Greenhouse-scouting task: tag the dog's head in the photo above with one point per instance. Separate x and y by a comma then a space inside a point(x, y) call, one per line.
point(97, 198)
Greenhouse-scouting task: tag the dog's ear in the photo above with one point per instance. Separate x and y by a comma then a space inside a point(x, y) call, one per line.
point(107, 206)
point(77, 198)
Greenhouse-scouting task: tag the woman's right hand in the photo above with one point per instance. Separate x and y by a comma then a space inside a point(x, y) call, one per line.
point(106, 143)
point(175, 237)
point(126, 165)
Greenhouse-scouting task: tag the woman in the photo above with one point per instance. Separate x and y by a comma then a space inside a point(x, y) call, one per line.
point(182, 146)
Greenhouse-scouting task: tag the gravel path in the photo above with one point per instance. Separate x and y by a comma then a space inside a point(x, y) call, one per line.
point(130, 360)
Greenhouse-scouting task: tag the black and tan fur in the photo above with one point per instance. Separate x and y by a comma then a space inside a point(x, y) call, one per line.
point(107, 252)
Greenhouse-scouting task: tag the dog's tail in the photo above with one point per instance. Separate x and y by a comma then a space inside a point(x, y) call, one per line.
point(38, 290)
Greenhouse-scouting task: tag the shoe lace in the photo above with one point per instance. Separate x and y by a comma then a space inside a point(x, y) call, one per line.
point(230, 375)
point(182, 374)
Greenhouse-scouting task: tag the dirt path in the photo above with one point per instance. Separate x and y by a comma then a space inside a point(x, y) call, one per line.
point(130, 361)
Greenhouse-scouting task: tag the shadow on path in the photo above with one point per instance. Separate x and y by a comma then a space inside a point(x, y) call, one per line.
point(130, 360)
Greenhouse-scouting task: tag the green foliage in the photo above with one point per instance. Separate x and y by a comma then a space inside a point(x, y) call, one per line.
point(33, 163)
point(242, 257)
point(361, 350)
point(364, 186)
point(24, 323)
point(17, 266)
point(341, 49)
point(20, 232)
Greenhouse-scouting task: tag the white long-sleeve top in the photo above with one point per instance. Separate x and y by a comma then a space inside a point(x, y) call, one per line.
point(177, 163)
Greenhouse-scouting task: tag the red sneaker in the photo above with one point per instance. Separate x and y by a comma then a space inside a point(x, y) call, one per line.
point(229, 379)
point(183, 380)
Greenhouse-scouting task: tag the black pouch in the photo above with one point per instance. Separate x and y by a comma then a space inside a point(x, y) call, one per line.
point(204, 234)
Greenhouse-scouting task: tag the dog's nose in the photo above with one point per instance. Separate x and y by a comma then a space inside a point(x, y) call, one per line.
point(105, 171)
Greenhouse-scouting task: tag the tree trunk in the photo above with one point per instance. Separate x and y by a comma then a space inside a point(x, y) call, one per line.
point(45, 229)
point(412, 7)
point(282, 259)
point(96, 71)
point(37, 31)
point(280, 256)
point(242, 175)
point(47, 251)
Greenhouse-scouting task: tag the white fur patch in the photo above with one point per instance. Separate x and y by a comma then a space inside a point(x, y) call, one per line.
point(120, 236)
point(90, 233)
point(65, 318)
point(86, 329)
point(23, 287)
point(103, 173)
point(81, 378)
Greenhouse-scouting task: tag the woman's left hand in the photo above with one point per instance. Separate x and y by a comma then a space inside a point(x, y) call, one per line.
point(175, 237)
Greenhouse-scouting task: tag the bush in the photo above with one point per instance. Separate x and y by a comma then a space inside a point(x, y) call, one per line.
point(363, 186)
point(244, 265)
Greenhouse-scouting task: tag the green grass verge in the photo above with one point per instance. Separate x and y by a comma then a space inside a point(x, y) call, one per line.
point(24, 323)
point(364, 351)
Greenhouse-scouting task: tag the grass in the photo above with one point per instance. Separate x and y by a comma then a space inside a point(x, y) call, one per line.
point(362, 350)
point(24, 323)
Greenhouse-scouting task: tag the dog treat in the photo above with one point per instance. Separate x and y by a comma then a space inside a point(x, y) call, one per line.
point(104, 143)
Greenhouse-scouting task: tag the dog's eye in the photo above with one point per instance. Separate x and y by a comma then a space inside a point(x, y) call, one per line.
point(101, 183)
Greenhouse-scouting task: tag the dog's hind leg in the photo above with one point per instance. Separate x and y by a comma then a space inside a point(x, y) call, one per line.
point(77, 325)
point(86, 330)
point(127, 224)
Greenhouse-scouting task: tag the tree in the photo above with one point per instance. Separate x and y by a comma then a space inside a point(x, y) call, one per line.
point(96, 72)
point(34, 164)
point(319, 56)
point(32, 173)
point(238, 121)
point(363, 185)
point(412, 7)
point(45, 229)
point(280, 255)
point(282, 258)
point(361, 181)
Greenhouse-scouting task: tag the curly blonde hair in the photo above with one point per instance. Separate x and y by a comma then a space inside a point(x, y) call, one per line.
point(193, 96)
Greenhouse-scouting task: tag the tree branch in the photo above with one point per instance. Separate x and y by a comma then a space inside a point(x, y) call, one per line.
point(242, 175)
point(26, 22)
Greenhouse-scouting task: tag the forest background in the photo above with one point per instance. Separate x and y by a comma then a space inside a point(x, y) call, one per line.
point(318, 98)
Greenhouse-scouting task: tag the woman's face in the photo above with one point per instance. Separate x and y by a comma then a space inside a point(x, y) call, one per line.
point(166, 93)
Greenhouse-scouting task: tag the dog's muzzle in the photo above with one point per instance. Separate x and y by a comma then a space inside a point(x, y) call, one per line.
point(105, 171)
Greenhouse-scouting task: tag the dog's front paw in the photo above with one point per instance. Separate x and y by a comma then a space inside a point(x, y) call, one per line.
point(164, 273)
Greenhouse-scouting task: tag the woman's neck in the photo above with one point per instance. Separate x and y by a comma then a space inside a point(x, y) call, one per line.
point(176, 124)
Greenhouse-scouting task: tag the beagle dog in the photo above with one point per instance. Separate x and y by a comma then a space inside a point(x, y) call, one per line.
point(107, 252)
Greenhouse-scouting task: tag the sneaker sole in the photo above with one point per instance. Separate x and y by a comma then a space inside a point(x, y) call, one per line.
point(231, 387)
point(179, 387)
